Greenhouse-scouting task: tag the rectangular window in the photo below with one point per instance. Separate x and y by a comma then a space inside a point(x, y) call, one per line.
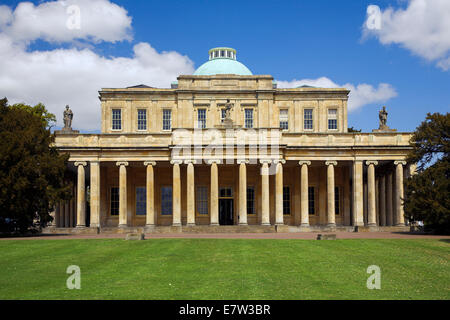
point(284, 119)
point(223, 114)
point(202, 200)
point(166, 201)
point(311, 201)
point(337, 203)
point(248, 118)
point(308, 119)
point(332, 119)
point(167, 119)
point(114, 201)
point(225, 192)
point(201, 117)
point(286, 200)
point(142, 119)
point(141, 201)
point(251, 200)
point(116, 119)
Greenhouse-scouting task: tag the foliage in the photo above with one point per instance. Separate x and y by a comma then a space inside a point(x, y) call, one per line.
point(31, 170)
point(352, 129)
point(428, 192)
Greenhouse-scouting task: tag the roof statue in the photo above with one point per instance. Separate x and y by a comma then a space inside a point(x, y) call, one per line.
point(383, 127)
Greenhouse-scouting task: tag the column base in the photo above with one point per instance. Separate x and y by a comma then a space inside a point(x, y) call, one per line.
point(123, 226)
point(214, 224)
point(331, 225)
point(265, 224)
point(191, 225)
point(371, 224)
point(243, 223)
point(80, 226)
point(176, 224)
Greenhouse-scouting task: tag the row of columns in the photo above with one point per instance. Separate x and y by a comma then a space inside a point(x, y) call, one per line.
point(385, 193)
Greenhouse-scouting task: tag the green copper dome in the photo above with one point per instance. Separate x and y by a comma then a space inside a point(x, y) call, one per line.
point(222, 61)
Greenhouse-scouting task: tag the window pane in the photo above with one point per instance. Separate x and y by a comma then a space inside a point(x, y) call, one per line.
point(166, 200)
point(202, 200)
point(311, 202)
point(142, 119)
point(117, 119)
point(201, 117)
point(308, 119)
point(251, 200)
point(141, 201)
point(226, 192)
point(167, 119)
point(337, 203)
point(284, 119)
point(223, 114)
point(332, 119)
point(114, 201)
point(248, 118)
point(286, 200)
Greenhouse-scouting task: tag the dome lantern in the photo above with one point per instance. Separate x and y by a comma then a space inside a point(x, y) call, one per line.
point(222, 60)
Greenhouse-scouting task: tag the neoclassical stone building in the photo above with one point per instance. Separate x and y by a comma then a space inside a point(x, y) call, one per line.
point(225, 147)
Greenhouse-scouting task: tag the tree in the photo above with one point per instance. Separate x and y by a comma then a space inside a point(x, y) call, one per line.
point(428, 192)
point(32, 173)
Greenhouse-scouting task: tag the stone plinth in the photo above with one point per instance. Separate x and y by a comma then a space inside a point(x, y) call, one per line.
point(67, 131)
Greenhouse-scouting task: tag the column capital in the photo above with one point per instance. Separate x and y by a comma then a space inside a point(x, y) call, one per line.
point(369, 162)
point(302, 162)
point(265, 161)
point(80, 163)
point(402, 162)
point(149, 163)
point(282, 161)
point(239, 161)
point(331, 163)
point(216, 161)
point(176, 161)
point(122, 163)
point(190, 161)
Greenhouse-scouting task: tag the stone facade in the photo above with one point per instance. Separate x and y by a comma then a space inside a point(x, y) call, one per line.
point(287, 161)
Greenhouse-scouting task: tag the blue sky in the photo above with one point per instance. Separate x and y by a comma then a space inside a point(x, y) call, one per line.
point(291, 40)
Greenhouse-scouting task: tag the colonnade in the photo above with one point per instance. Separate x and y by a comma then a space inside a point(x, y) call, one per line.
point(387, 211)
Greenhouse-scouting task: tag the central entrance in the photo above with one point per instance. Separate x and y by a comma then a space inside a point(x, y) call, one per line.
point(226, 205)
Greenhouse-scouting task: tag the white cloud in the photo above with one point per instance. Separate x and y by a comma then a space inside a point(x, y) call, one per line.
point(360, 95)
point(423, 27)
point(74, 76)
point(64, 21)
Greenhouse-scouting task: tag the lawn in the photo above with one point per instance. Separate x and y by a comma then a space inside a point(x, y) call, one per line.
point(224, 269)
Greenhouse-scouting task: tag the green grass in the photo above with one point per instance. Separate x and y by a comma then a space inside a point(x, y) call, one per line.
point(224, 269)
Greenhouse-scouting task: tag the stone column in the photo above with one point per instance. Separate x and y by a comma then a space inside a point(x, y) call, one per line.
point(176, 193)
point(358, 219)
point(214, 215)
point(399, 194)
point(382, 198)
point(61, 214)
point(389, 215)
point(304, 189)
point(372, 213)
point(242, 192)
point(265, 219)
point(95, 194)
point(331, 216)
point(279, 220)
point(150, 216)
point(56, 222)
point(123, 208)
point(66, 214)
point(190, 196)
point(81, 195)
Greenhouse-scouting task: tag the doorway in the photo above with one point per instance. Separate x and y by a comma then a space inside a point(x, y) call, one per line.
point(226, 212)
